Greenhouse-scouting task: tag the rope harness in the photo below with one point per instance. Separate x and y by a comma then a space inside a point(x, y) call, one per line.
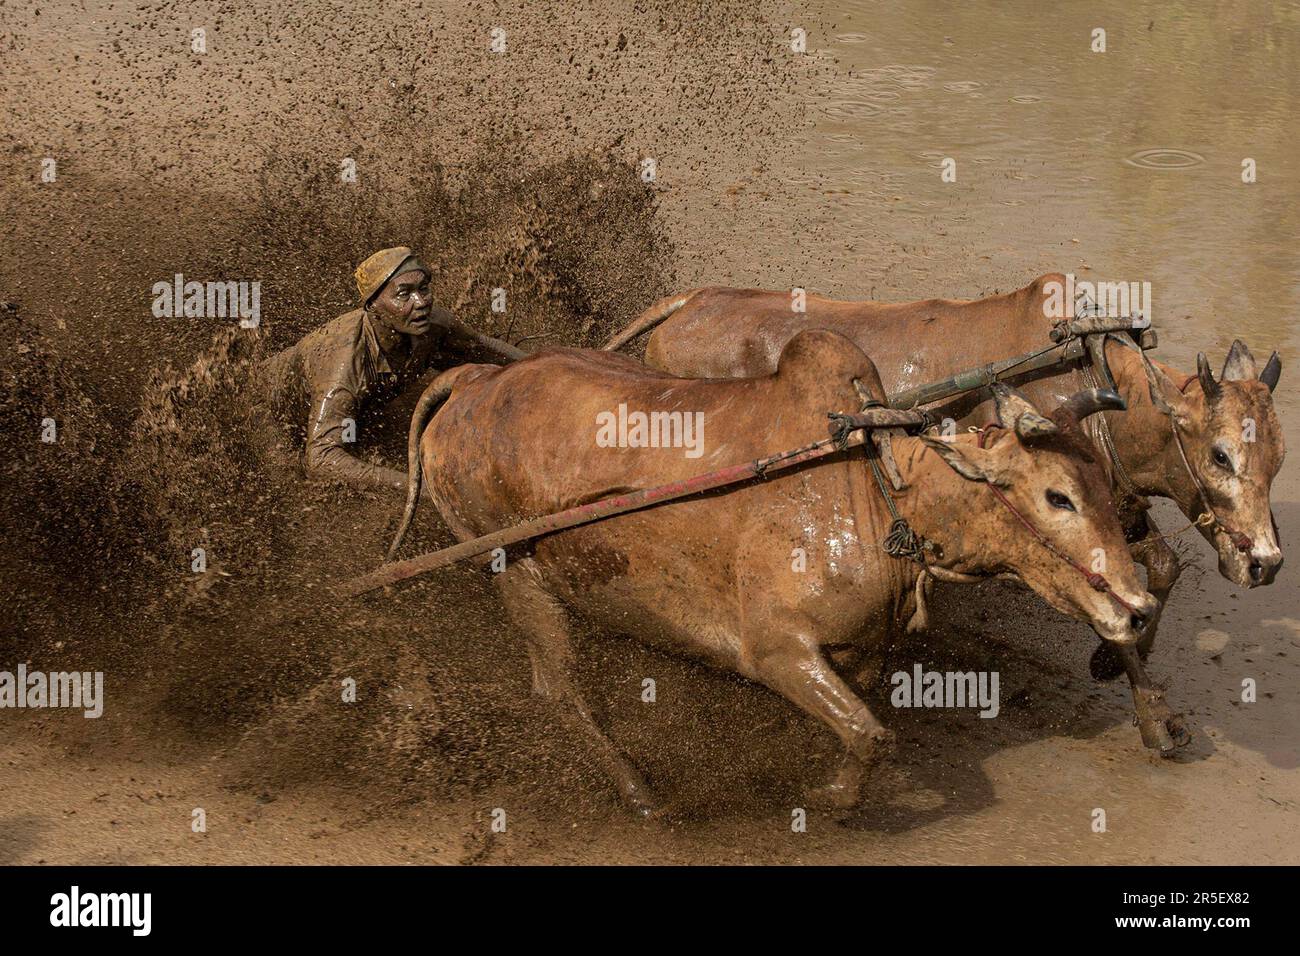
point(1127, 487)
point(1097, 581)
point(1208, 517)
point(1241, 541)
point(900, 541)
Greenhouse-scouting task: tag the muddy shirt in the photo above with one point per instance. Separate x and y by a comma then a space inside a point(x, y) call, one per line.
point(328, 376)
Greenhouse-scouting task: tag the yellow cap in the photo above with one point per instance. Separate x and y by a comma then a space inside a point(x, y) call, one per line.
point(379, 268)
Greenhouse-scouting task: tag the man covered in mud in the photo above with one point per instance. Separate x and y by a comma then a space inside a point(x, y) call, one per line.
point(371, 353)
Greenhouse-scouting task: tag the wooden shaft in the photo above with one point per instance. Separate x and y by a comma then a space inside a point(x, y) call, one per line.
point(584, 514)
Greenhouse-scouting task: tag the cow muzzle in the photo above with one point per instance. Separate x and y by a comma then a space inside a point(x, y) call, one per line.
point(1251, 568)
point(1125, 626)
point(1263, 567)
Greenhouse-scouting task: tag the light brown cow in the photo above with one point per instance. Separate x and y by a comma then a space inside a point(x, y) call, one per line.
point(716, 576)
point(720, 332)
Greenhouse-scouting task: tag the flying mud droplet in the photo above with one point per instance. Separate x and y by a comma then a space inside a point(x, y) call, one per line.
point(1212, 641)
point(1164, 157)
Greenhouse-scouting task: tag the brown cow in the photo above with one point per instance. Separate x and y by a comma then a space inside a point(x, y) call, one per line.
point(713, 576)
point(720, 332)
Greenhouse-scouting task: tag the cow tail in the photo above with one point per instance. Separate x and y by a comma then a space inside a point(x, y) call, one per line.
point(648, 319)
point(433, 396)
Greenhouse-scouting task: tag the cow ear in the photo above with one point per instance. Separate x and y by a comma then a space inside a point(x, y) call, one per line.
point(1032, 426)
point(1010, 404)
point(972, 463)
point(1164, 394)
point(1272, 371)
point(1017, 413)
point(1239, 365)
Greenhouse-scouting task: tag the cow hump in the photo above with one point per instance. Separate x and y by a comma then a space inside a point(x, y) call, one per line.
point(817, 358)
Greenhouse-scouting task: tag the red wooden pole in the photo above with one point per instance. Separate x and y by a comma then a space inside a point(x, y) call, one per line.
point(585, 514)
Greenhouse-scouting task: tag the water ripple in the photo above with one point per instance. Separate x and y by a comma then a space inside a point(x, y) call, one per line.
point(1164, 157)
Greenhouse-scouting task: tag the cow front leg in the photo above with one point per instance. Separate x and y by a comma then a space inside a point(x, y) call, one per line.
point(1163, 568)
point(1161, 729)
point(1154, 553)
point(800, 674)
point(550, 647)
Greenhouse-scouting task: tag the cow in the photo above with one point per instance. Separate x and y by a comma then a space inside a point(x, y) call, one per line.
point(1228, 427)
point(713, 576)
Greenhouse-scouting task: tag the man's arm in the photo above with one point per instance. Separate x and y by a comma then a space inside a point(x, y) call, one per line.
point(326, 454)
point(475, 346)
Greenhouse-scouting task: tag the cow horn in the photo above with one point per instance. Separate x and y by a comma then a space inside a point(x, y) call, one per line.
point(1239, 366)
point(1209, 386)
point(1090, 401)
point(1018, 413)
point(1271, 372)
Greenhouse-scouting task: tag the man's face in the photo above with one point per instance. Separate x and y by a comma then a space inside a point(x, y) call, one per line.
point(404, 304)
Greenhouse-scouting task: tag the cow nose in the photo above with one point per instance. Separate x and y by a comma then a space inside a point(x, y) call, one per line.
point(1143, 613)
point(1263, 570)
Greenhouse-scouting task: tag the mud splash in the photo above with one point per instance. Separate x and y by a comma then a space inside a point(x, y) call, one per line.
point(206, 473)
point(65, 508)
point(573, 243)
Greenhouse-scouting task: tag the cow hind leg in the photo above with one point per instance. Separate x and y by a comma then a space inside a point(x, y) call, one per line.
point(801, 674)
point(1161, 562)
point(550, 647)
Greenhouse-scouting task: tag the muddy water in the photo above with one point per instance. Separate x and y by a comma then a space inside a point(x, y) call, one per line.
point(774, 170)
point(1118, 165)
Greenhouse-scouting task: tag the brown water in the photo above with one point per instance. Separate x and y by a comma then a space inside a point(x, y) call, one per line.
point(1117, 165)
point(775, 170)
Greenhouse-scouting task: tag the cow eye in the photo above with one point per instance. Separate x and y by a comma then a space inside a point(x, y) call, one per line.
point(1058, 500)
point(1221, 459)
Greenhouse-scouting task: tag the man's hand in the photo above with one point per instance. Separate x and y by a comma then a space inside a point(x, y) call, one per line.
point(326, 454)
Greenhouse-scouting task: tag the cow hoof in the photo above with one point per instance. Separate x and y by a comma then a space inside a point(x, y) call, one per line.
point(844, 791)
point(1178, 731)
point(885, 747)
point(1105, 664)
point(1160, 741)
point(1156, 736)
